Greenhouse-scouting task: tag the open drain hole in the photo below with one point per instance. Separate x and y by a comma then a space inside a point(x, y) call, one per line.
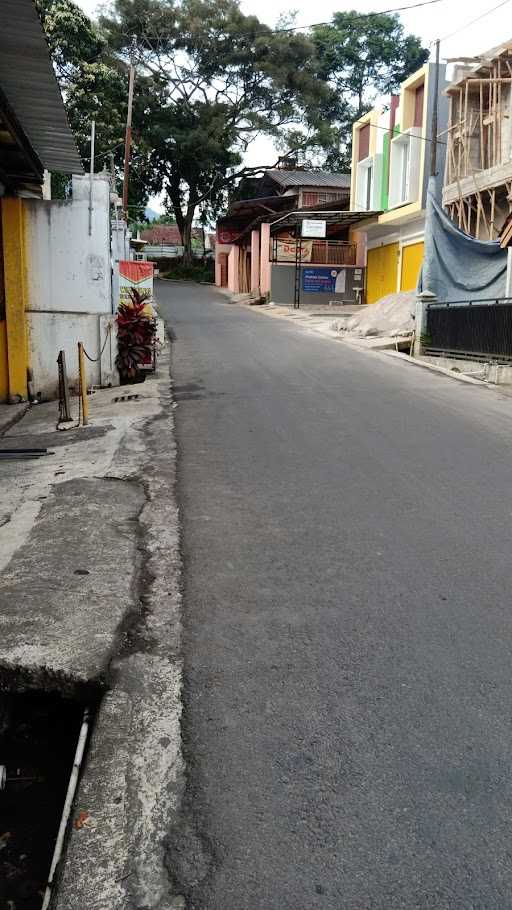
point(38, 741)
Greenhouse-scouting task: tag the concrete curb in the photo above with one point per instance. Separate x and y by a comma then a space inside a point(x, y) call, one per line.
point(186, 281)
point(12, 414)
point(414, 361)
point(132, 785)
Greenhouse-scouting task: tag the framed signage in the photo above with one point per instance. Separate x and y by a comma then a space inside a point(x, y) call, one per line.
point(324, 281)
point(311, 228)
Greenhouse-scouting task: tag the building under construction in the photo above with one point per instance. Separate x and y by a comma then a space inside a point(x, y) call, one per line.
point(477, 190)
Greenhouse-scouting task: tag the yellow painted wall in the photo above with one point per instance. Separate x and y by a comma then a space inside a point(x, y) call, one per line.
point(4, 373)
point(412, 257)
point(381, 274)
point(15, 286)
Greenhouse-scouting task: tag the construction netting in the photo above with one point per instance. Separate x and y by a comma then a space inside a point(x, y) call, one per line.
point(456, 266)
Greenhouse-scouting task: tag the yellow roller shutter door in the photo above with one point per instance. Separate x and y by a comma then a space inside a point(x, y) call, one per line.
point(381, 275)
point(412, 257)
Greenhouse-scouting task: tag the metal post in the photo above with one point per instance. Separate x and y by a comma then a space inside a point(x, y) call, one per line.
point(423, 299)
point(91, 174)
point(64, 402)
point(128, 136)
point(298, 266)
point(433, 131)
point(83, 384)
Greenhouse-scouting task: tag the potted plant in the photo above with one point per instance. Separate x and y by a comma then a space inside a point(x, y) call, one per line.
point(136, 336)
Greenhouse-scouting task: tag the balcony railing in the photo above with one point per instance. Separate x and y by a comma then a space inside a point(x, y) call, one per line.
point(315, 252)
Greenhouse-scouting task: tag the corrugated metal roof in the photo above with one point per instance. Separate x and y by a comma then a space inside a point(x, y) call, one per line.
point(343, 218)
point(28, 82)
point(309, 178)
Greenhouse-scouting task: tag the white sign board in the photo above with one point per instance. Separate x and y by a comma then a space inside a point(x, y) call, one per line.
point(312, 228)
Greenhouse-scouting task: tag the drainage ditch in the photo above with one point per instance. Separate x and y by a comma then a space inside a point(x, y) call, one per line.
point(38, 741)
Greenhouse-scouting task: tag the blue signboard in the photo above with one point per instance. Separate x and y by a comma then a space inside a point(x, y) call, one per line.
point(323, 281)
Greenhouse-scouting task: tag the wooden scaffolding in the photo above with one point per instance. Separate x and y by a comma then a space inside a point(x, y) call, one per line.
point(478, 172)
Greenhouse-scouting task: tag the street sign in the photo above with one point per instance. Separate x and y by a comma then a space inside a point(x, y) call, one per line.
point(311, 228)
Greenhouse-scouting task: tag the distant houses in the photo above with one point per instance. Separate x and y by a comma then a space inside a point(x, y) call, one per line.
point(261, 246)
point(165, 241)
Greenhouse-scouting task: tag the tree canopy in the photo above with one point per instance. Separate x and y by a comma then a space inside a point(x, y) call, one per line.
point(94, 85)
point(360, 57)
point(224, 78)
point(210, 80)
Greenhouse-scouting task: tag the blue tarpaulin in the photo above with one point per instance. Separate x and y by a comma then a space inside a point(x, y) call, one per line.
point(457, 266)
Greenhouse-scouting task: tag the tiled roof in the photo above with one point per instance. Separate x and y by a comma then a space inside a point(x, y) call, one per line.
point(167, 234)
point(309, 178)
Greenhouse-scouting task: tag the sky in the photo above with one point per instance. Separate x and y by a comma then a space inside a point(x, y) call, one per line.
point(438, 20)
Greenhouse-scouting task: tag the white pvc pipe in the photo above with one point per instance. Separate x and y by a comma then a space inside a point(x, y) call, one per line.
point(70, 795)
point(508, 286)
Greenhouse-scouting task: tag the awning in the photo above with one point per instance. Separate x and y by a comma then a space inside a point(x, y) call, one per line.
point(342, 219)
point(29, 86)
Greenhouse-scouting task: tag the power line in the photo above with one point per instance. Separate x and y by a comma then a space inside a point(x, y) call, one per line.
point(108, 152)
point(362, 16)
point(386, 129)
point(293, 28)
point(473, 21)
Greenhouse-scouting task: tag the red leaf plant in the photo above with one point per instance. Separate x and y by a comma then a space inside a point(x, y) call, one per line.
point(136, 335)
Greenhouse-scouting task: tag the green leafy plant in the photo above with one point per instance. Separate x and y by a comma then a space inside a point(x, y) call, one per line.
point(136, 335)
point(197, 271)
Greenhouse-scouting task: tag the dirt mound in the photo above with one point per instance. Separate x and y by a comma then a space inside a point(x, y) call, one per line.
point(390, 316)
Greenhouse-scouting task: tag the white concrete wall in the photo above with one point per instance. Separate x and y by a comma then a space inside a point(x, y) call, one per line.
point(69, 280)
point(54, 332)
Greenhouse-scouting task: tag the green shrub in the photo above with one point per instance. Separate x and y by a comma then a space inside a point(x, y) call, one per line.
point(197, 271)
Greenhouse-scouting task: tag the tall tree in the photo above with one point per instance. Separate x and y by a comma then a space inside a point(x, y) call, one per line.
point(94, 82)
point(224, 79)
point(361, 57)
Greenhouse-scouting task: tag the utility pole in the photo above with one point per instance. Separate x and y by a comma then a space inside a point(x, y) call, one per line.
point(91, 174)
point(128, 137)
point(433, 132)
point(112, 173)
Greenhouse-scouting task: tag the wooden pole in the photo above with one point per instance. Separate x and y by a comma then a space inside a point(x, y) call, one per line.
point(465, 131)
point(482, 145)
point(128, 135)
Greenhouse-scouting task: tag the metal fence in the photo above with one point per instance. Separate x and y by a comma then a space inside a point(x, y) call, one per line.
point(480, 329)
point(315, 252)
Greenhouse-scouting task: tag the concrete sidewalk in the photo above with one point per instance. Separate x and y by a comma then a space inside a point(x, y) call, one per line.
point(89, 573)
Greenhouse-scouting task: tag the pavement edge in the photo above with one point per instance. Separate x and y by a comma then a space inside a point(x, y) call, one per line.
point(133, 780)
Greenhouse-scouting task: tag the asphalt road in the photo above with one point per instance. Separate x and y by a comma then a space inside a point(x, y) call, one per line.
point(348, 622)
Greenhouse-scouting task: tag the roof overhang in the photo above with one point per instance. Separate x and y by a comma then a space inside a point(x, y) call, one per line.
point(342, 219)
point(20, 167)
point(248, 209)
point(31, 104)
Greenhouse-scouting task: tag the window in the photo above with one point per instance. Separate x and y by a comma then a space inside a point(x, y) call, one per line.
point(363, 146)
point(369, 187)
point(419, 96)
point(404, 170)
point(368, 183)
point(310, 199)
